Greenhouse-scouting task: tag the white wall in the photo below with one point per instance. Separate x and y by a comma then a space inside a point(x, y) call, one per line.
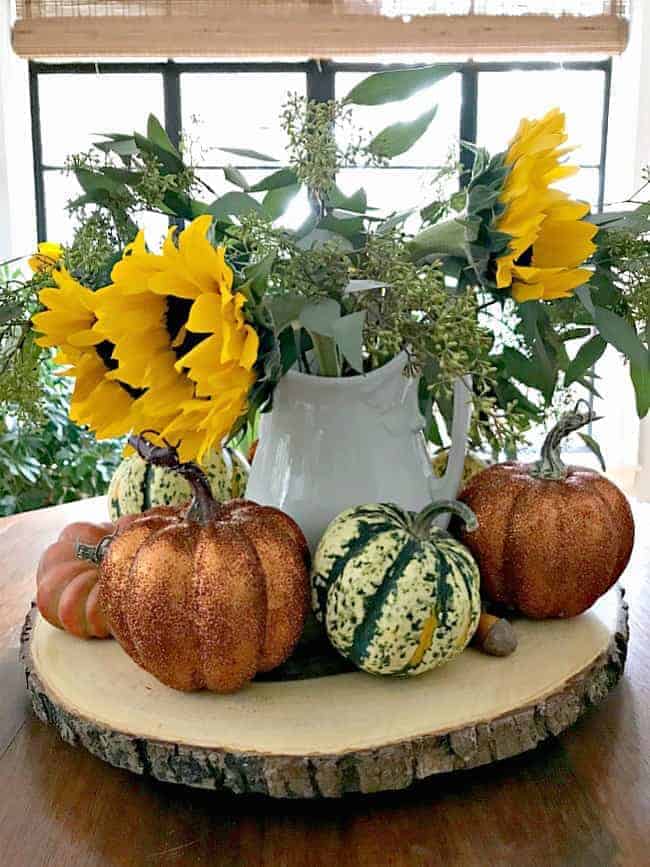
point(17, 220)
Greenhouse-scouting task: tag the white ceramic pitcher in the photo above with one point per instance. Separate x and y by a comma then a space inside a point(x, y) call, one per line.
point(331, 443)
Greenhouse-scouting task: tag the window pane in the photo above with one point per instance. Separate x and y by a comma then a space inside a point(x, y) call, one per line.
point(74, 108)
point(442, 136)
point(505, 97)
point(59, 188)
point(236, 110)
point(583, 186)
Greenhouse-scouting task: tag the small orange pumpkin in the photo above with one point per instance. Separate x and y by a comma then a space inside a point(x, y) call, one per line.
point(551, 539)
point(205, 596)
point(67, 594)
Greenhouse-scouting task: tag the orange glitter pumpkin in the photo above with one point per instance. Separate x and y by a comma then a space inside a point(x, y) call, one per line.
point(551, 538)
point(204, 596)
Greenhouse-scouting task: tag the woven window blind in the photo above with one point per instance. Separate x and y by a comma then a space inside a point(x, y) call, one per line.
point(316, 28)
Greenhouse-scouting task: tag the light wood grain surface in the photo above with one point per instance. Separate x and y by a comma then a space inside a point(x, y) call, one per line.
point(580, 799)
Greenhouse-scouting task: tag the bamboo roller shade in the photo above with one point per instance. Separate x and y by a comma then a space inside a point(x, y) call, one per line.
point(316, 28)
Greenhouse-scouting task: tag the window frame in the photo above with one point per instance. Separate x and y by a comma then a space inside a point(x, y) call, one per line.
point(320, 86)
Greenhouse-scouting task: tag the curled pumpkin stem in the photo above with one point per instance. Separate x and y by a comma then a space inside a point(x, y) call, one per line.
point(423, 521)
point(550, 465)
point(203, 505)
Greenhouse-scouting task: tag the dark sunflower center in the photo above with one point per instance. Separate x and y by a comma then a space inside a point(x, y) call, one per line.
point(176, 316)
point(526, 258)
point(105, 352)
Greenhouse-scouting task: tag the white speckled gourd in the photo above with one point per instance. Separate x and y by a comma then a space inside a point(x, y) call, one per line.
point(397, 594)
point(137, 486)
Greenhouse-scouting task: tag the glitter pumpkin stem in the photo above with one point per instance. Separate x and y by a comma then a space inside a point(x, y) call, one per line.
point(550, 466)
point(203, 506)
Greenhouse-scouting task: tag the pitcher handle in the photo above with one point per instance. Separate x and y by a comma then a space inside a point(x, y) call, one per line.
point(449, 484)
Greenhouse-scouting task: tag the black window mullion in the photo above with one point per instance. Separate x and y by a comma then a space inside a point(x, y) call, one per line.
point(468, 118)
point(37, 154)
point(320, 81)
point(603, 135)
point(172, 99)
point(173, 114)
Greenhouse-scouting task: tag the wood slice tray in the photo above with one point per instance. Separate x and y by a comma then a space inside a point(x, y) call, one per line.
point(325, 736)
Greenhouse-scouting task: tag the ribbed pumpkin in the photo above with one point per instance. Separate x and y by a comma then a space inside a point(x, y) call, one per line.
point(137, 486)
point(67, 590)
point(551, 538)
point(397, 594)
point(205, 595)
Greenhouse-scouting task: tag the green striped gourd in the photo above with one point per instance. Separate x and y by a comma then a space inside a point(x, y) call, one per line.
point(137, 486)
point(397, 594)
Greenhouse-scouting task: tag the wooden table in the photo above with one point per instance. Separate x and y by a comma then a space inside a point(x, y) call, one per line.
point(580, 799)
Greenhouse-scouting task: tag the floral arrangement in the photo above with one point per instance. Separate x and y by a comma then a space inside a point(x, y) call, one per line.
point(190, 339)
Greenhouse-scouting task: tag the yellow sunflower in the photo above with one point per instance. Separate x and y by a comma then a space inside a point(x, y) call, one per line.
point(46, 257)
point(69, 323)
point(180, 333)
point(221, 365)
point(549, 238)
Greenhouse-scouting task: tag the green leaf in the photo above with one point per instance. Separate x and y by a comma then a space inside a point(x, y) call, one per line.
point(587, 383)
point(591, 444)
point(357, 202)
point(458, 200)
point(395, 85)
point(9, 312)
point(621, 335)
point(285, 310)
point(641, 382)
point(481, 198)
point(400, 137)
point(319, 317)
point(508, 393)
point(249, 154)
point(234, 176)
point(276, 202)
point(317, 238)
point(125, 147)
point(281, 178)
point(524, 369)
point(124, 176)
point(170, 161)
point(157, 134)
point(92, 182)
point(348, 332)
point(537, 328)
point(585, 358)
point(234, 204)
point(443, 239)
point(583, 293)
point(394, 221)
point(86, 199)
point(348, 227)
point(256, 279)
